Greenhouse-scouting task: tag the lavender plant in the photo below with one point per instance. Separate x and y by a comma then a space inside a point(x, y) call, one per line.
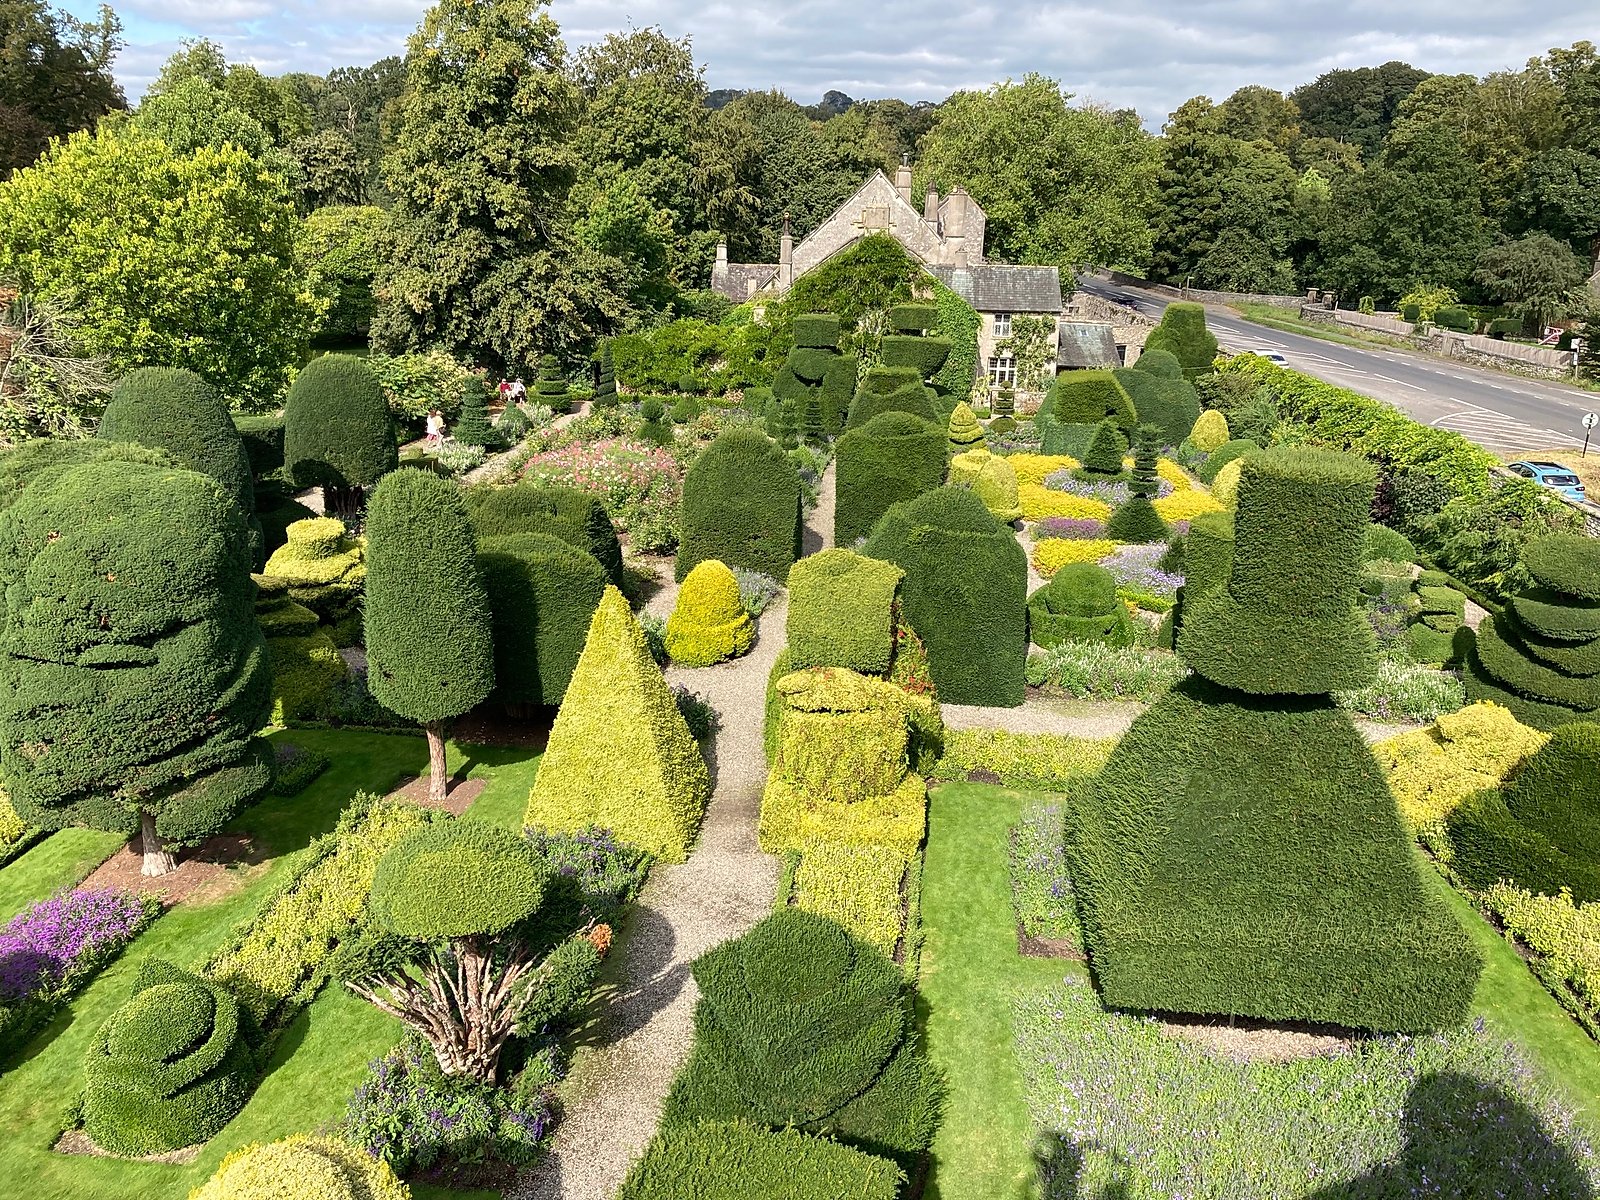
point(1041, 888)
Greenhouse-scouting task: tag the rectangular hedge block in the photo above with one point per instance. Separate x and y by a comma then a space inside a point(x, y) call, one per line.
point(857, 886)
point(913, 318)
point(818, 331)
point(790, 818)
point(925, 355)
point(840, 611)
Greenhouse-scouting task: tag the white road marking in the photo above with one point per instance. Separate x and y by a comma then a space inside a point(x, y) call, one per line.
point(1415, 387)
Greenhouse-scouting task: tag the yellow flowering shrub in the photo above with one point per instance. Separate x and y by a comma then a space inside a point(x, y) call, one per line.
point(1563, 935)
point(1186, 504)
point(1050, 555)
point(1032, 468)
point(1174, 474)
point(1039, 502)
point(1431, 771)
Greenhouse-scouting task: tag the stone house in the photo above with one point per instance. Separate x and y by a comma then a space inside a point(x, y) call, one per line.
point(947, 236)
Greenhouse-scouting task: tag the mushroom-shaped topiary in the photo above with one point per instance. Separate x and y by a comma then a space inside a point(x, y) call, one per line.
point(1210, 431)
point(169, 1068)
point(992, 479)
point(963, 429)
point(1079, 604)
point(708, 624)
point(302, 1168)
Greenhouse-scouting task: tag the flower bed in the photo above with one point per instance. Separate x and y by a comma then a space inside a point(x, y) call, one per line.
point(641, 486)
point(1095, 671)
point(1137, 570)
point(1071, 528)
point(1051, 555)
point(1041, 888)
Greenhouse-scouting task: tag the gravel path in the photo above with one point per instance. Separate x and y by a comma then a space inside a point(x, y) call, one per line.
point(644, 1024)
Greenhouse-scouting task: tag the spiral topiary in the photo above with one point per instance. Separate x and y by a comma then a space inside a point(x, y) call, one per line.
point(708, 624)
point(963, 430)
point(1136, 519)
point(992, 479)
point(302, 1167)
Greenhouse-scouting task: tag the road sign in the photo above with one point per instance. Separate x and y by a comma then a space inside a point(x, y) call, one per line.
point(1590, 420)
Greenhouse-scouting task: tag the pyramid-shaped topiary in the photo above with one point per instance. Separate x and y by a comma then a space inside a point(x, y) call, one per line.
point(472, 426)
point(1241, 853)
point(620, 755)
point(1136, 519)
point(708, 625)
point(1107, 446)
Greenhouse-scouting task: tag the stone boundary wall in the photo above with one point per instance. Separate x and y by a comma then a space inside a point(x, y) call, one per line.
point(1544, 360)
point(1378, 322)
point(1203, 297)
point(1534, 356)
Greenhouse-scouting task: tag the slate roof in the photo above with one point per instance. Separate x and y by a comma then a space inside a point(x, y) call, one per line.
point(745, 279)
point(997, 287)
point(1086, 345)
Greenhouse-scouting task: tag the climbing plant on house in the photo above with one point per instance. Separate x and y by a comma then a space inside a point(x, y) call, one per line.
point(1033, 344)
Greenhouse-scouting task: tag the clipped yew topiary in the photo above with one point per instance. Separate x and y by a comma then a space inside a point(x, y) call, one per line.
point(741, 506)
point(430, 649)
point(1075, 406)
point(324, 568)
point(1161, 395)
point(841, 611)
point(965, 593)
point(815, 381)
point(1159, 363)
point(472, 427)
point(734, 1160)
point(302, 1167)
point(542, 593)
point(1136, 519)
point(605, 388)
point(1079, 604)
point(36, 461)
point(1225, 487)
point(650, 784)
point(1557, 791)
point(169, 1068)
point(1223, 454)
point(577, 518)
point(1182, 332)
point(1106, 449)
point(963, 430)
point(133, 674)
point(1210, 432)
point(799, 1025)
point(708, 624)
point(992, 479)
point(550, 388)
point(893, 457)
point(336, 429)
point(892, 389)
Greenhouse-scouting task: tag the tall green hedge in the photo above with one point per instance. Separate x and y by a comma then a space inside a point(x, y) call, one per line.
point(965, 593)
point(542, 594)
point(891, 389)
point(336, 426)
point(741, 505)
point(891, 458)
point(577, 518)
point(1182, 333)
point(1172, 405)
point(262, 435)
point(734, 1160)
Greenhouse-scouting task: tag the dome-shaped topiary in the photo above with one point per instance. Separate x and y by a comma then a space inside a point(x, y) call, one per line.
point(1079, 604)
point(1170, 404)
point(895, 456)
point(992, 479)
point(1225, 487)
point(1183, 333)
point(169, 1068)
point(1210, 431)
point(577, 518)
point(336, 427)
point(457, 879)
point(962, 430)
point(1223, 455)
point(1568, 563)
point(34, 462)
point(1557, 791)
point(708, 624)
point(741, 506)
point(1163, 364)
point(302, 1167)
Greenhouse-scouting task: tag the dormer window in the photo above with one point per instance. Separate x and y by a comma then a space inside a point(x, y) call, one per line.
point(1002, 325)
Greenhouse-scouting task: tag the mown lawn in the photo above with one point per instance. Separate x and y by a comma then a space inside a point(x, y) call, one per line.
point(324, 1052)
point(61, 860)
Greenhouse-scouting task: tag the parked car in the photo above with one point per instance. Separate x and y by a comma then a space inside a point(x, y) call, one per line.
point(1552, 475)
point(1272, 356)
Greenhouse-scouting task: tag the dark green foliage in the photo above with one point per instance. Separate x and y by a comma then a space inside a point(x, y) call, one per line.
point(1557, 791)
point(913, 318)
point(684, 410)
point(841, 612)
point(472, 426)
point(35, 462)
point(711, 1160)
point(1136, 519)
point(542, 594)
point(550, 389)
point(965, 593)
point(605, 389)
point(1508, 658)
point(1504, 327)
point(817, 330)
point(429, 647)
point(1073, 440)
point(1381, 542)
point(1183, 334)
point(336, 427)
point(1106, 449)
point(1288, 621)
point(801, 1025)
point(1458, 320)
point(893, 457)
point(1227, 836)
point(1222, 456)
point(810, 365)
point(134, 673)
point(170, 1067)
point(1170, 404)
point(1429, 645)
point(263, 442)
point(741, 505)
point(1547, 614)
point(451, 879)
point(1079, 604)
point(924, 355)
point(276, 510)
point(1489, 844)
point(1087, 398)
point(815, 382)
point(1208, 552)
point(891, 389)
point(1411, 312)
point(577, 518)
point(1568, 563)
point(1163, 364)
point(838, 387)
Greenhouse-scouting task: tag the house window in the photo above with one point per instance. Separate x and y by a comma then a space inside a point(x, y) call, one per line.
point(1003, 371)
point(1002, 325)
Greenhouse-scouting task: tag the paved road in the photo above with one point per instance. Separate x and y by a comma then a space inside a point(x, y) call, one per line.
point(1502, 413)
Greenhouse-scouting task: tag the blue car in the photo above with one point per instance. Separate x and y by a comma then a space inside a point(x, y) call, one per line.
point(1552, 475)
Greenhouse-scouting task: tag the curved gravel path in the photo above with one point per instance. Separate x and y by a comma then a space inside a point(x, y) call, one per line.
point(644, 1021)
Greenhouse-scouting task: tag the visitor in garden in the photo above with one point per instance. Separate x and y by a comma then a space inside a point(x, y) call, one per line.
point(518, 392)
point(435, 427)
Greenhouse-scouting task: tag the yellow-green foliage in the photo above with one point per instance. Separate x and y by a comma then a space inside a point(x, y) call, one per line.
point(1431, 771)
point(318, 553)
point(857, 886)
point(302, 1168)
point(12, 827)
point(278, 961)
point(791, 818)
point(620, 755)
point(963, 430)
point(1047, 761)
point(841, 611)
point(1210, 431)
point(708, 625)
point(1039, 502)
point(304, 671)
point(1032, 468)
point(1225, 487)
point(1050, 555)
point(992, 478)
point(1565, 936)
point(1186, 504)
point(843, 736)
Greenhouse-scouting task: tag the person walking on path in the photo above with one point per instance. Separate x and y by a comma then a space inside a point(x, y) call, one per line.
point(435, 426)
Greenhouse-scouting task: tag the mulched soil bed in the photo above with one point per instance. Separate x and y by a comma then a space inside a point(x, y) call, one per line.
point(204, 873)
point(489, 725)
point(76, 1141)
point(1043, 947)
point(459, 797)
point(1260, 1041)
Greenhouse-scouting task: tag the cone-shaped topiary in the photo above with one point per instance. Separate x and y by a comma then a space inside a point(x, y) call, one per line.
point(1183, 333)
point(472, 426)
point(992, 479)
point(1136, 519)
point(133, 674)
point(1210, 431)
point(965, 593)
point(430, 650)
point(542, 594)
point(577, 518)
point(963, 430)
point(657, 426)
point(336, 428)
point(1106, 449)
point(708, 625)
point(302, 1167)
point(605, 388)
point(169, 1068)
point(1225, 487)
point(841, 611)
point(649, 786)
point(1079, 604)
point(550, 389)
point(800, 1025)
point(1541, 656)
point(741, 505)
point(891, 458)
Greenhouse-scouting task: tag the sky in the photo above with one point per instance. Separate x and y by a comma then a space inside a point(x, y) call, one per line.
point(1149, 55)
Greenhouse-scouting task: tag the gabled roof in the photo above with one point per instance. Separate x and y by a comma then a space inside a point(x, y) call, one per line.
point(1086, 345)
point(745, 279)
point(997, 287)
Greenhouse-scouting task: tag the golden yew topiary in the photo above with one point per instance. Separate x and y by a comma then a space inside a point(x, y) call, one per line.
point(1225, 487)
point(302, 1168)
point(992, 479)
point(708, 624)
point(963, 431)
point(1210, 431)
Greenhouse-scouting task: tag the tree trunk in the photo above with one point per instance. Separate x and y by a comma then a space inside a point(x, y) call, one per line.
point(158, 860)
point(437, 779)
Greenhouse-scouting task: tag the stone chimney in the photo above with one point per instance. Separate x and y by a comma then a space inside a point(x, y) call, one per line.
point(902, 181)
point(785, 257)
point(930, 207)
point(719, 270)
point(955, 225)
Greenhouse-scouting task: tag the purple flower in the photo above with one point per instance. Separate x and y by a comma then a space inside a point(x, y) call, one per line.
point(40, 946)
point(1137, 567)
point(1076, 528)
